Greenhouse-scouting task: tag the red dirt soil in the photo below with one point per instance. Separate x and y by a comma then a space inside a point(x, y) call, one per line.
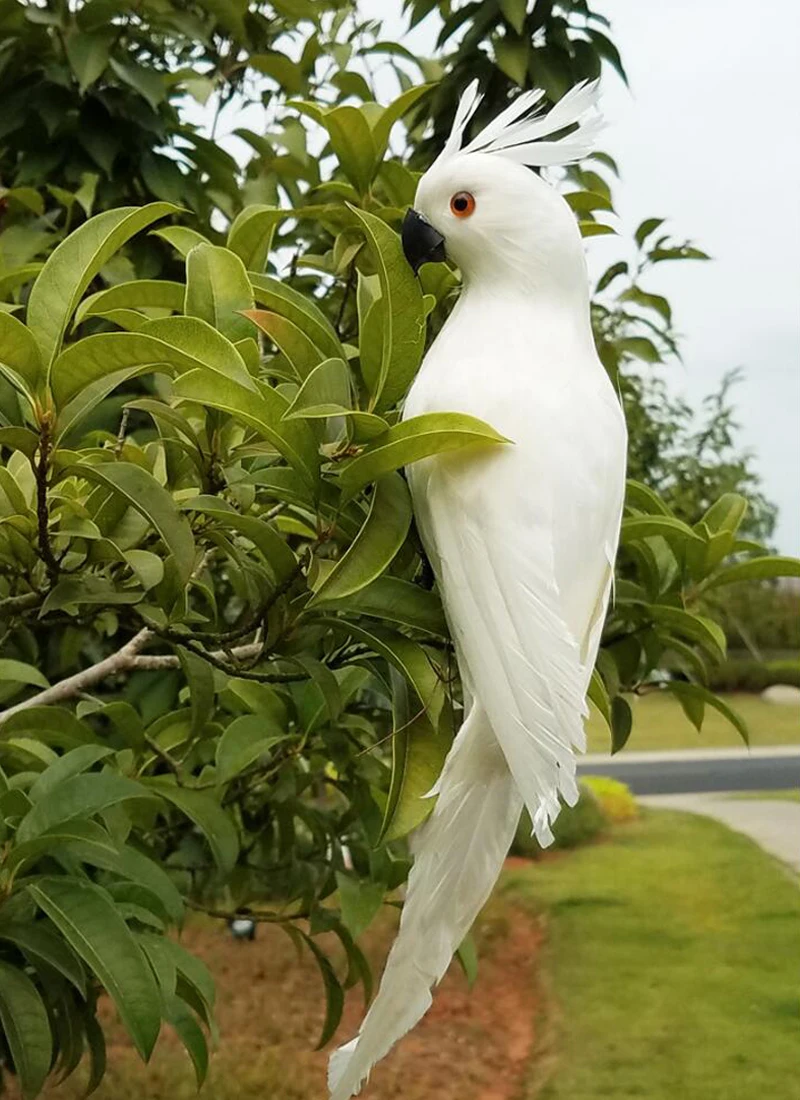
point(472, 1045)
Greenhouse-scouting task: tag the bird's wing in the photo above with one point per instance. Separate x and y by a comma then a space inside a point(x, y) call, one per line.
point(493, 552)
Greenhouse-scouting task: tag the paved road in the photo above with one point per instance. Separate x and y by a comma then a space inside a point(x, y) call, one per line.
point(697, 771)
point(774, 825)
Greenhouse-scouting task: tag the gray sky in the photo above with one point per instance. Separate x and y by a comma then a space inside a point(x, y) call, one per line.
point(709, 136)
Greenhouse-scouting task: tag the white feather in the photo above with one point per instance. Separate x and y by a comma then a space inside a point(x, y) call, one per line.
point(467, 106)
point(518, 130)
point(458, 855)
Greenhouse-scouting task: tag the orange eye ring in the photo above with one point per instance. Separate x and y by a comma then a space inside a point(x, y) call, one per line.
point(462, 204)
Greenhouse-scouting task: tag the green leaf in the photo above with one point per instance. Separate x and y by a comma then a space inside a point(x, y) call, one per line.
point(383, 122)
point(756, 569)
point(359, 902)
point(183, 240)
point(599, 696)
point(611, 273)
point(303, 355)
point(263, 411)
point(38, 941)
point(393, 600)
point(642, 497)
point(402, 313)
point(334, 994)
point(672, 529)
point(190, 1034)
point(147, 567)
point(95, 1041)
point(20, 358)
point(639, 347)
point(251, 232)
point(27, 1029)
point(595, 229)
point(245, 740)
point(621, 723)
point(376, 544)
point(88, 55)
point(324, 392)
point(467, 956)
point(411, 440)
point(200, 678)
point(199, 341)
point(418, 754)
point(700, 629)
point(17, 672)
point(409, 658)
point(74, 263)
point(87, 918)
point(73, 592)
point(285, 72)
point(351, 140)
point(112, 355)
point(218, 290)
point(78, 796)
point(74, 762)
point(194, 973)
point(276, 551)
point(515, 11)
point(138, 868)
point(91, 837)
point(207, 815)
point(512, 55)
point(135, 294)
point(646, 229)
point(141, 491)
point(148, 82)
point(300, 309)
point(694, 698)
point(585, 202)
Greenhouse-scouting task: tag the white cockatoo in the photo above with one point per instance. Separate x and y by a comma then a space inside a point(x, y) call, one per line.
point(522, 537)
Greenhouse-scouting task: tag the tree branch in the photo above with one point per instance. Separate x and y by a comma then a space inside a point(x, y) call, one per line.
point(117, 662)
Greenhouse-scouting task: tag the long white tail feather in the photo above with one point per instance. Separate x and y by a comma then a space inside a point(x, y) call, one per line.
point(458, 855)
point(517, 132)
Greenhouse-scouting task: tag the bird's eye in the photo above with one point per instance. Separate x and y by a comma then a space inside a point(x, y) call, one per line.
point(462, 204)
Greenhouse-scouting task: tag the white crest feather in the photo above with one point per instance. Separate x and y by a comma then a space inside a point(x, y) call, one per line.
point(517, 132)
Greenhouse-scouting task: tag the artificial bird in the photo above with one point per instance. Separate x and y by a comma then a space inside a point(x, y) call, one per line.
point(521, 537)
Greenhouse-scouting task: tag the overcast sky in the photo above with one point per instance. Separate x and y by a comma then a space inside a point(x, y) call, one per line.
point(709, 136)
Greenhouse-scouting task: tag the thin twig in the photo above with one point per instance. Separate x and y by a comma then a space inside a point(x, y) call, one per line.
point(123, 427)
point(244, 914)
point(166, 757)
point(42, 511)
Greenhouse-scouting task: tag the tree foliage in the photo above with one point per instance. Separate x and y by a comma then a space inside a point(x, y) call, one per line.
point(226, 678)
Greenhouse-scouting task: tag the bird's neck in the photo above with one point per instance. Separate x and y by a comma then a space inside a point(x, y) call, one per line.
point(549, 313)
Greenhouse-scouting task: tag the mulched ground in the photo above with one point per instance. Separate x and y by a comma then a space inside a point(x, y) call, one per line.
point(472, 1045)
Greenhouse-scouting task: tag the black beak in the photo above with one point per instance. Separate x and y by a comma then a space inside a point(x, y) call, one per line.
point(422, 243)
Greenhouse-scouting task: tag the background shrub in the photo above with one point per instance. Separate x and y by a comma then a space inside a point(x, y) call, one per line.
point(745, 673)
point(615, 798)
point(575, 825)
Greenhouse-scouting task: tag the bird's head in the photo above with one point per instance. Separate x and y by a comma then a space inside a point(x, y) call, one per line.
point(483, 208)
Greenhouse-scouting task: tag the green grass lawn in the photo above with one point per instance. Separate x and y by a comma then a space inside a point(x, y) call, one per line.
point(659, 723)
point(768, 796)
point(671, 967)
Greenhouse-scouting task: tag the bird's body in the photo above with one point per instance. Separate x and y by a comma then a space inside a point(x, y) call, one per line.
point(522, 539)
